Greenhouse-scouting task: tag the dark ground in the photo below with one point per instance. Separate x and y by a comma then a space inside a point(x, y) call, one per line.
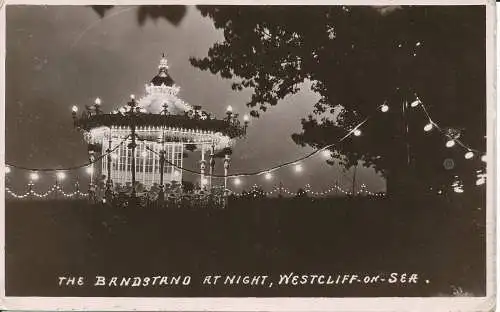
point(441, 238)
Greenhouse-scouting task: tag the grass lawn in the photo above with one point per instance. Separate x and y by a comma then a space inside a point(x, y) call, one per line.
point(440, 238)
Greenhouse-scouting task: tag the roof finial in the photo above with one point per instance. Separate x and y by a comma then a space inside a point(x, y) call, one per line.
point(163, 62)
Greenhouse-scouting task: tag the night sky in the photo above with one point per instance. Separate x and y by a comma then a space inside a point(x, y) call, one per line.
point(59, 56)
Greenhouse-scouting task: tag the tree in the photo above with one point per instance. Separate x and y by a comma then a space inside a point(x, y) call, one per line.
point(357, 58)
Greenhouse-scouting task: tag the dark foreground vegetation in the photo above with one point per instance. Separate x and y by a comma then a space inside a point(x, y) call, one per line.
point(440, 238)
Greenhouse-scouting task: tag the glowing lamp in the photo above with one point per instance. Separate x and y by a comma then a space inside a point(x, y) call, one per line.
point(229, 109)
point(7, 169)
point(483, 158)
point(132, 97)
point(428, 127)
point(450, 143)
point(326, 153)
point(415, 103)
point(268, 176)
point(246, 118)
point(384, 108)
point(61, 175)
point(357, 132)
point(89, 170)
point(469, 155)
point(97, 101)
point(298, 168)
point(74, 109)
point(237, 181)
point(34, 176)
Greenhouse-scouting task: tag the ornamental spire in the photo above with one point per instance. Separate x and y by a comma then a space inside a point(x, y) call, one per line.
point(163, 63)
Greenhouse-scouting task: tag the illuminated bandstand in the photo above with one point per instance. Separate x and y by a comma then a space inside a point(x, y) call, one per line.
point(144, 141)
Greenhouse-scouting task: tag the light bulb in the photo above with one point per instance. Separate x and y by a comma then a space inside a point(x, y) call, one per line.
point(415, 103)
point(7, 169)
point(229, 109)
point(237, 181)
point(132, 97)
point(357, 132)
point(298, 168)
point(384, 108)
point(326, 153)
point(450, 143)
point(74, 108)
point(61, 175)
point(268, 176)
point(469, 155)
point(89, 170)
point(34, 176)
point(97, 101)
point(483, 158)
point(428, 127)
point(246, 118)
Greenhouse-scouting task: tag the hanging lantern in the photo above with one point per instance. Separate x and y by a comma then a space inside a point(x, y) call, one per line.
point(469, 155)
point(268, 176)
point(428, 127)
point(450, 143)
point(34, 176)
point(415, 103)
point(298, 168)
point(61, 175)
point(384, 108)
point(357, 132)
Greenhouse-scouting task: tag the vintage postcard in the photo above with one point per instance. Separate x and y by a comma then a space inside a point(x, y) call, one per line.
point(242, 156)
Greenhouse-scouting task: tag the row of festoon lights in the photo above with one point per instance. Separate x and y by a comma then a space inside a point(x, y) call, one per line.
point(307, 189)
point(54, 189)
point(469, 154)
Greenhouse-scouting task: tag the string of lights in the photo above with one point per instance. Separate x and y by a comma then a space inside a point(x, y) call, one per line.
point(451, 142)
point(255, 190)
point(356, 131)
point(55, 189)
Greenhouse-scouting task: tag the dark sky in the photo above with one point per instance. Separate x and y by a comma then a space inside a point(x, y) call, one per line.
point(59, 56)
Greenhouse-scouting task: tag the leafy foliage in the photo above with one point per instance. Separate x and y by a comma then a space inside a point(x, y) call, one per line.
point(357, 58)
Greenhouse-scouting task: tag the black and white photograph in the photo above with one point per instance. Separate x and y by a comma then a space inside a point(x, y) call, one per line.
point(247, 151)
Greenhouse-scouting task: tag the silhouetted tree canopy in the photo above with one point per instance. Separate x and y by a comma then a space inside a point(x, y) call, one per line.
point(357, 58)
point(172, 13)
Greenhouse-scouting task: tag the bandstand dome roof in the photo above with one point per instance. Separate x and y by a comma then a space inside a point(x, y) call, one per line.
point(163, 78)
point(160, 109)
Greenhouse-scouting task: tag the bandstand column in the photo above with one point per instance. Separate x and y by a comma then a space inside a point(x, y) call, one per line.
point(91, 191)
point(109, 183)
point(161, 193)
point(226, 170)
point(202, 167)
point(212, 165)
